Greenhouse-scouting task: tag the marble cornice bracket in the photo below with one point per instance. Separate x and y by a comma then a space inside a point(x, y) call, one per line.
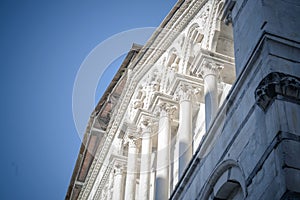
point(276, 85)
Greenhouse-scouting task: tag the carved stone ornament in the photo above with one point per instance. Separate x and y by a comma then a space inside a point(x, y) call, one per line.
point(139, 100)
point(118, 169)
point(154, 81)
point(209, 68)
point(145, 125)
point(185, 92)
point(167, 110)
point(277, 84)
point(133, 142)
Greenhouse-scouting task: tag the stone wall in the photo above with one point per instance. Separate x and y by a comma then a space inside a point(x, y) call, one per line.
point(254, 155)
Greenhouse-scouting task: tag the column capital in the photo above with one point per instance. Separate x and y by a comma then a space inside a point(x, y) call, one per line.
point(210, 68)
point(133, 142)
point(145, 125)
point(166, 109)
point(185, 92)
point(118, 169)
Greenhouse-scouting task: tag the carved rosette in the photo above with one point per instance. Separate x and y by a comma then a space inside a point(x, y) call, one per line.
point(210, 68)
point(277, 84)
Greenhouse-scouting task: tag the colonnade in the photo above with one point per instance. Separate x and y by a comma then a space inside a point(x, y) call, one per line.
point(143, 144)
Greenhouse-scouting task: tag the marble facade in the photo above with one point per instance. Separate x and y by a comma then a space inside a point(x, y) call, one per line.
point(208, 108)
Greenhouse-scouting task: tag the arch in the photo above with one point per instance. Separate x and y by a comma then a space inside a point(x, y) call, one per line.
point(224, 181)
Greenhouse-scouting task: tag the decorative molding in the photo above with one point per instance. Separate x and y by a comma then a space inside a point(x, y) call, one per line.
point(116, 162)
point(103, 182)
point(277, 84)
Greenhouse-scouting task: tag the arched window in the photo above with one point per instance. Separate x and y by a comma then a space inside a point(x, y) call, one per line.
point(226, 182)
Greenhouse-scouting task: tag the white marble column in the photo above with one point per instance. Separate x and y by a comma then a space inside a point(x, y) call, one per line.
point(118, 183)
point(163, 152)
point(131, 169)
point(145, 170)
point(210, 73)
point(185, 133)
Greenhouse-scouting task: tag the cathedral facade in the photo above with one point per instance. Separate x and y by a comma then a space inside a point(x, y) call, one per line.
point(208, 108)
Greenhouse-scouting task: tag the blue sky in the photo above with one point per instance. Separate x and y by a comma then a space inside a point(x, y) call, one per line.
point(43, 44)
